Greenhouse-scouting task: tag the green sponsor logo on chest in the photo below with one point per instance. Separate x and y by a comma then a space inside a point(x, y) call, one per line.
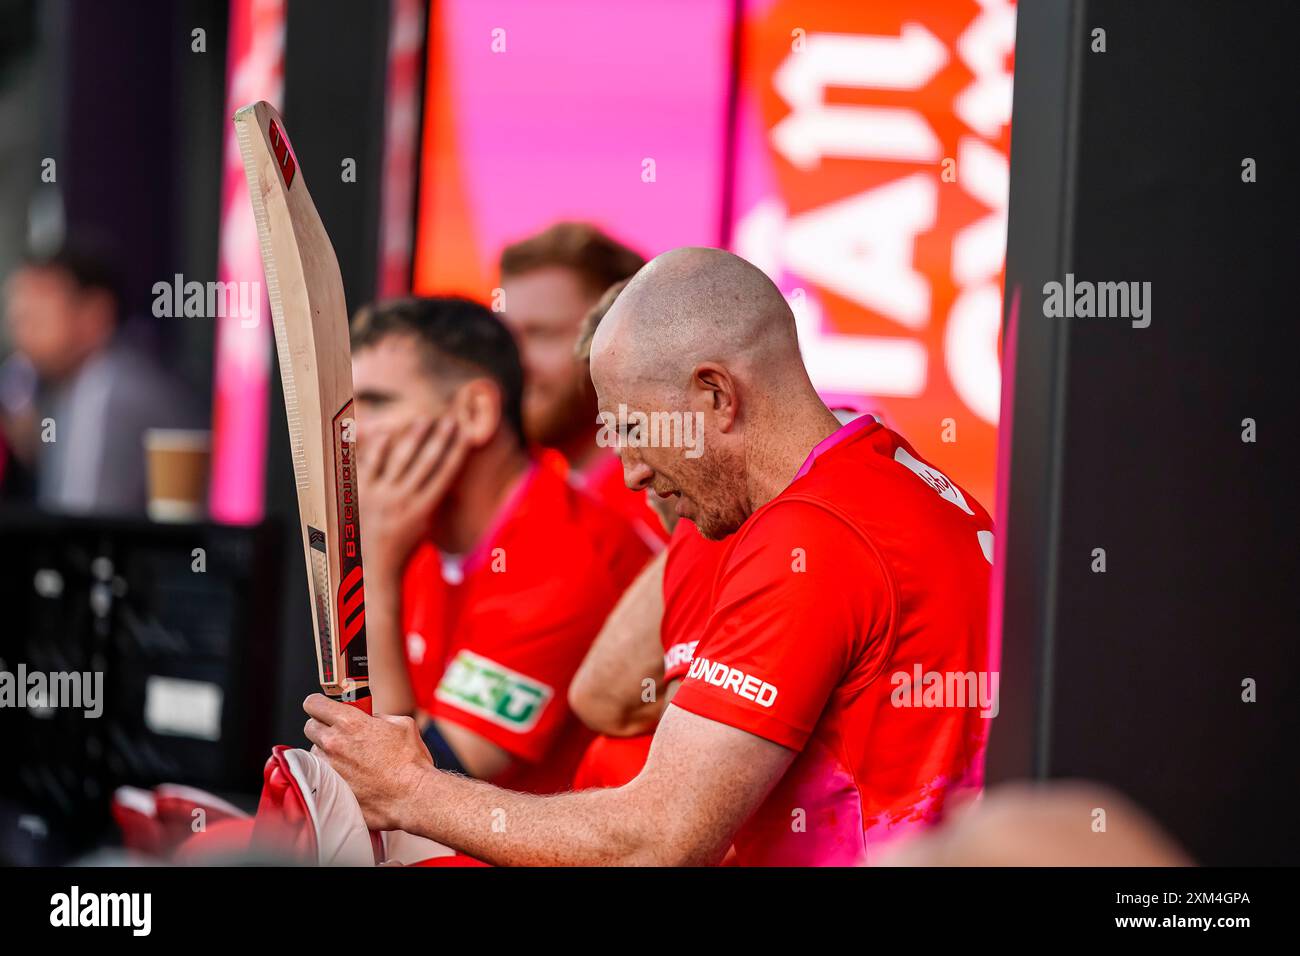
point(493, 692)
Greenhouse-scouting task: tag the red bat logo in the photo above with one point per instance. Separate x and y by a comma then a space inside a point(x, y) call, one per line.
point(283, 157)
point(351, 592)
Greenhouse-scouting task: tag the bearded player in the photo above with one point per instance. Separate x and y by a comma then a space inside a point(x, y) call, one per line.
point(487, 574)
point(550, 281)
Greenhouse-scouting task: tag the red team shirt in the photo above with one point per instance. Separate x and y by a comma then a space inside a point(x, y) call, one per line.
point(869, 571)
point(494, 638)
point(603, 480)
point(689, 569)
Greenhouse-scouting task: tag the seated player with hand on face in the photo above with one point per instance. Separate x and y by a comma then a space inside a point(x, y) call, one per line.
point(487, 576)
point(852, 561)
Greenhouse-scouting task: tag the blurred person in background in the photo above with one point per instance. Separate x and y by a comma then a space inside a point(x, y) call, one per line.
point(1043, 823)
point(551, 281)
point(76, 399)
point(487, 574)
point(15, 475)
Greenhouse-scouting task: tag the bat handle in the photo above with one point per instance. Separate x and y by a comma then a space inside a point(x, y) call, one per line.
point(358, 697)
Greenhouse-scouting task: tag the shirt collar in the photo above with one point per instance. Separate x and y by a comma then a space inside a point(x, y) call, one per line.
point(841, 434)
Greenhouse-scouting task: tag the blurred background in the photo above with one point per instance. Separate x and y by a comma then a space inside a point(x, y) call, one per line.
point(809, 137)
point(861, 154)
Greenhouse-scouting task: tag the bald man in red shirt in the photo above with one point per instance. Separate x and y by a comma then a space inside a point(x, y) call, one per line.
point(838, 697)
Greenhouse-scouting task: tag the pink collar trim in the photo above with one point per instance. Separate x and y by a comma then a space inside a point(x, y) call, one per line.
point(843, 433)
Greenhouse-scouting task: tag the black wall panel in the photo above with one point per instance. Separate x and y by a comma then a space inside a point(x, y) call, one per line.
point(1131, 170)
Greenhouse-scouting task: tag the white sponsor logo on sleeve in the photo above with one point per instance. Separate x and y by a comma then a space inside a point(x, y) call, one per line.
point(737, 681)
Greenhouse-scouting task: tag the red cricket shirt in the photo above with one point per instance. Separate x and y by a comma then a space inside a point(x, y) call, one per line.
point(689, 572)
point(849, 624)
point(494, 637)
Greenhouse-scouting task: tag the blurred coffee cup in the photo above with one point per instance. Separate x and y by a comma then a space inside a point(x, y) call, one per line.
point(178, 472)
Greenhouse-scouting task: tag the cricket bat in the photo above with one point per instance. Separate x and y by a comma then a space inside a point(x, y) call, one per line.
point(310, 317)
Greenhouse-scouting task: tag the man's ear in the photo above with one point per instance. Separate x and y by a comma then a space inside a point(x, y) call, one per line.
point(714, 385)
point(478, 410)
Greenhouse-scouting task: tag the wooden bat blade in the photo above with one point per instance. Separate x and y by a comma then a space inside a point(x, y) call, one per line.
point(309, 314)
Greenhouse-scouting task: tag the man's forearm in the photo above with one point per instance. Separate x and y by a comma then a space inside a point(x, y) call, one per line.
point(588, 828)
point(702, 779)
point(607, 711)
point(608, 692)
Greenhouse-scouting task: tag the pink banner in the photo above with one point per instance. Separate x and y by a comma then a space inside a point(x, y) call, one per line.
point(254, 71)
point(607, 112)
